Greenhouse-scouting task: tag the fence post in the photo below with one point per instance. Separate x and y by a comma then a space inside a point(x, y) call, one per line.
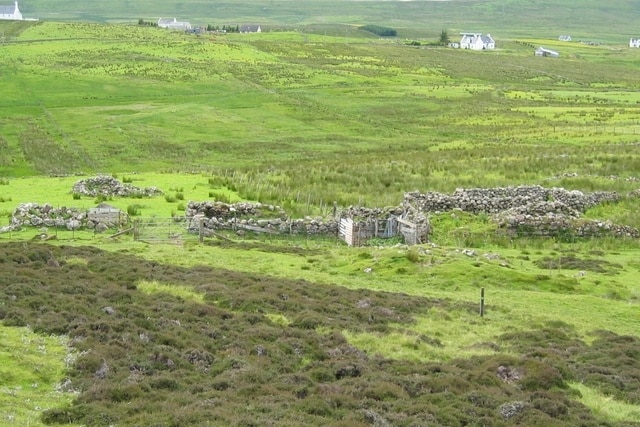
point(201, 230)
point(481, 302)
point(136, 230)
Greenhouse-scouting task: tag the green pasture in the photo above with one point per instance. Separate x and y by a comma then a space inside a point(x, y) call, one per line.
point(32, 370)
point(292, 107)
point(178, 190)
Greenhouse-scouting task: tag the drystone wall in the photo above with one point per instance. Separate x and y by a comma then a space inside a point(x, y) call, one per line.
point(496, 200)
point(527, 210)
point(45, 215)
point(218, 215)
point(253, 216)
point(523, 210)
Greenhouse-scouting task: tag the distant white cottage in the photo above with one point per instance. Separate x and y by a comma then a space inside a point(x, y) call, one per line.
point(174, 24)
point(11, 12)
point(250, 28)
point(634, 43)
point(477, 41)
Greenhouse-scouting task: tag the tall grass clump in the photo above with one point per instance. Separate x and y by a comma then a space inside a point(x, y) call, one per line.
point(134, 209)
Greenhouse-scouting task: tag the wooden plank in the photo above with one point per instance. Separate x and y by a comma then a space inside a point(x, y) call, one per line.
point(120, 233)
point(405, 222)
point(257, 229)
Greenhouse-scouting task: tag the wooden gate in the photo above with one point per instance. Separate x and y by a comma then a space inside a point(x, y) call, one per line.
point(162, 230)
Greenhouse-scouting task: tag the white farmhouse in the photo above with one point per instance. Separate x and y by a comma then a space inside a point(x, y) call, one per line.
point(11, 12)
point(634, 43)
point(477, 41)
point(174, 24)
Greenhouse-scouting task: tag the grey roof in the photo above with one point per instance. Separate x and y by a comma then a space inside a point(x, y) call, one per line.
point(7, 10)
point(249, 28)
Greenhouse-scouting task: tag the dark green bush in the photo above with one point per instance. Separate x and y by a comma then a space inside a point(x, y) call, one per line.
point(379, 30)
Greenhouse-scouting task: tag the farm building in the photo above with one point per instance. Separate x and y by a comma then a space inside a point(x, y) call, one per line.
point(634, 42)
point(10, 12)
point(546, 52)
point(106, 214)
point(565, 38)
point(477, 41)
point(173, 24)
point(250, 28)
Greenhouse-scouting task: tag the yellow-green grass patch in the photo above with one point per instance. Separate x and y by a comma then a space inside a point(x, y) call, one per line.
point(31, 368)
point(605, 406)
point(184, 292)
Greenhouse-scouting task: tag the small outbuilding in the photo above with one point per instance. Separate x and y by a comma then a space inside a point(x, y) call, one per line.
point(541, 51)
point(634, 42)
point(106, 214)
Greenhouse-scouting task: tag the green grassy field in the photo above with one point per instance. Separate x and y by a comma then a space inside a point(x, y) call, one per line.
point(283, 330)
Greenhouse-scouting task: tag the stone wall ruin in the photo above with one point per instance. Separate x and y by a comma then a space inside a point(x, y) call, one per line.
point(521, 210)
point(527, 210)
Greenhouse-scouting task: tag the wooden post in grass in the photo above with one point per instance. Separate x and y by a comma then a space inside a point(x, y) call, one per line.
point(481, 302)
point(201, 230)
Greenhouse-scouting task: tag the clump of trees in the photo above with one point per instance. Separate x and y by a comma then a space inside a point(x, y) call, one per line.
point(443, 40)
point(224, 29)
point(379, 30)
point(144, 23)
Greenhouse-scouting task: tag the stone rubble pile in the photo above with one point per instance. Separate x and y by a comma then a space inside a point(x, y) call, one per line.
point(106, 185)
point(557, 219)
point(358, 213)
point(36, 215)
point(225, 211)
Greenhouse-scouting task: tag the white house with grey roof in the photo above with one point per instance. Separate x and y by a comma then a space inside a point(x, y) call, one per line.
point(634, 43)
point(11, 12)
point(250, 28)
point(477, 41)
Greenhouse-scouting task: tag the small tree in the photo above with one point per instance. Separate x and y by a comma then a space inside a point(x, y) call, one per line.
point(444, 38)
